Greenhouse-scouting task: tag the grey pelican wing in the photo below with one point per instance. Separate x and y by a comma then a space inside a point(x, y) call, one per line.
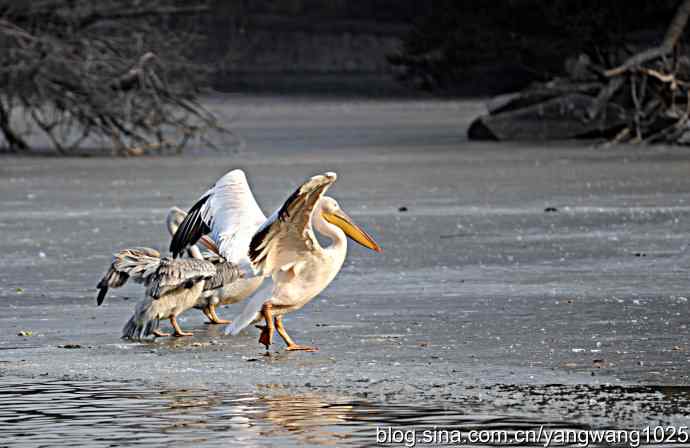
point(137, 263)
point(226, 273)
point(173, 274)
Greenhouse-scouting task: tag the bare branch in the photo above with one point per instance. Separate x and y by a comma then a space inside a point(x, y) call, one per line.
point(673, 33)
point(155, 11)
point(77, 69)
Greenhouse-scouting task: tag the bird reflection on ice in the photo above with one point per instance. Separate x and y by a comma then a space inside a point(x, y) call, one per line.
point(97, 413)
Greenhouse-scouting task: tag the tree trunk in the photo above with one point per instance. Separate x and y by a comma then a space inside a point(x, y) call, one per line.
point(14, 142)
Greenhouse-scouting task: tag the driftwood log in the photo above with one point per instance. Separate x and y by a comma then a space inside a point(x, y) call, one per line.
point(556, 118)
point(642, 100)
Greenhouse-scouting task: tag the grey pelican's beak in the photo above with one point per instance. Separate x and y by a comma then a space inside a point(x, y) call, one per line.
point(339, 218)
point(209, 244)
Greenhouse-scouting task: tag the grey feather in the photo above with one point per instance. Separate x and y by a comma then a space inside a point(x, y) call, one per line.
point(137, 329)
point(226, 273)
point(159, 275)
point(144, 321)
point(179, 273)
point(137, 263)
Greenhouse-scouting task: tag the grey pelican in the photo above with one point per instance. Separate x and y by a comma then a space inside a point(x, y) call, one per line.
point(226, 294)
point(286, 249)
point(172, 286)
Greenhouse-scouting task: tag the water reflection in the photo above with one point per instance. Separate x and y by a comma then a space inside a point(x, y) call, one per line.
point(311, 418)
point(60, 412)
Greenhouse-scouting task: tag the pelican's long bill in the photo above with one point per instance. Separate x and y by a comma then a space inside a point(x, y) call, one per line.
point(209, 244)
point(340, 219)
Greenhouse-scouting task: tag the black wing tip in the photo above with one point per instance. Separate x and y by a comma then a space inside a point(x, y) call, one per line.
point(103, 290)
point(256, 242)
point(283, 213)
point(176, 248)
point(190, 230)
point(330, 178)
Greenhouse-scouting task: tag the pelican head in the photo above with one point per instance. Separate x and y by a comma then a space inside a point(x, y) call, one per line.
point(333, 214)
point(174, 218)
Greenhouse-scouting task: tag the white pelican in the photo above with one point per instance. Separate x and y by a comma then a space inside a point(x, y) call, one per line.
point(285, 248)
point(172, 286)
point(229, 212)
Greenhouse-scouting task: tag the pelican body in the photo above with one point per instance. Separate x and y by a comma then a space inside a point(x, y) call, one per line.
point(172, 286)
point(150, 311)
point(295, 285)
point(285, 248)
point(228, 294)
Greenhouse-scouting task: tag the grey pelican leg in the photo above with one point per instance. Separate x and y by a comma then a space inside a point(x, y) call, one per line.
point(214, 317)
point(159, 334)
point(291, 346)
point(210, 312)
point(207, 312)
point(178, 331)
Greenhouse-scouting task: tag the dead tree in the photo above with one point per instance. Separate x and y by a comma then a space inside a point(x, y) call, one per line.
point(658, 81)
point(118, 71)
point(644, 98)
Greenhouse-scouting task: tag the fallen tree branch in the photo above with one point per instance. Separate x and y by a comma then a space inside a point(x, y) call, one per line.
point(604, 96)
point(673, 33)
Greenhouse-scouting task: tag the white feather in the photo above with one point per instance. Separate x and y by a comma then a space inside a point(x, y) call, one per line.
point(232, 214)
point(250, 313)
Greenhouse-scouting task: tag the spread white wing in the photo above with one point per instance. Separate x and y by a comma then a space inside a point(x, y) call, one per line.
point(228, 212)
point(287, 235)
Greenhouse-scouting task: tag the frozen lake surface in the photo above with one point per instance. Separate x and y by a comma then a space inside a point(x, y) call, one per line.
point(542, 284)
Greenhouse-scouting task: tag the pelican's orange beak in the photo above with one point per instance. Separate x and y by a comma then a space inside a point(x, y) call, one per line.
point(340, 219)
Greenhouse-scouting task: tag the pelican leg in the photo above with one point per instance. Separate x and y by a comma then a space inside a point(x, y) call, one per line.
point(178, 331)
point(266, 337)
point(159, 334)
point(207, 312)
point(288, 340)
point(214, 317)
